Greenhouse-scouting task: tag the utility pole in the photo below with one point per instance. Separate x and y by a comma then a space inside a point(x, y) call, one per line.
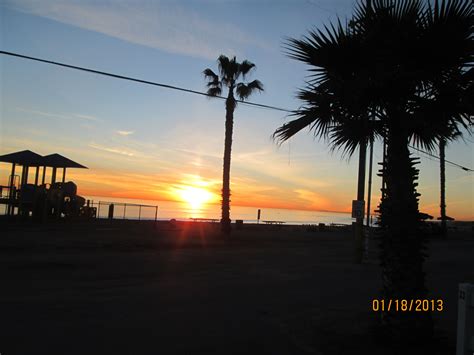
point(442, 148)
point(369, 192)
point(369, 196)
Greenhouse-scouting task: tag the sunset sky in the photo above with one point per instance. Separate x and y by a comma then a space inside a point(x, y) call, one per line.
point(147, 142)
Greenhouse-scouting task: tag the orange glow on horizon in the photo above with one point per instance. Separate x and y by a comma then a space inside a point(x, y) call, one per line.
point(196, 191)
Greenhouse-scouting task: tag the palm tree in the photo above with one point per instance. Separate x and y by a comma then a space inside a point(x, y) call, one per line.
point(389, 60)
point(442, 184)
point(452, 97)
point(230, 71)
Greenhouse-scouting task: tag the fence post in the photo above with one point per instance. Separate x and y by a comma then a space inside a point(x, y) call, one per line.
point(111, 211)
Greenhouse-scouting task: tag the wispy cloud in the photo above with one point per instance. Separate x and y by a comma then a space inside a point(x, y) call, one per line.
point(111, 149)
point(60, 116)
point(124, 133)
point(318, 201)
point(170, 28)
point(86, 117)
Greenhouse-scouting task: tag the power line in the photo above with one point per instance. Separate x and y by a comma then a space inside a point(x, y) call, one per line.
point(318, 6)
point(139, 80)
point(436, 157)
point(172, 87)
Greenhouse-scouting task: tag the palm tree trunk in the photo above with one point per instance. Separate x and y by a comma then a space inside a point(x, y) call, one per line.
point(229, 125)
point(402, 244)
point(442, 146)
point(359, 225)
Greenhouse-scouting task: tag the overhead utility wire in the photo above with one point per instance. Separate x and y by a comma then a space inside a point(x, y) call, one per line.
point(447, 161)
point(139, 80)
point(179, 89)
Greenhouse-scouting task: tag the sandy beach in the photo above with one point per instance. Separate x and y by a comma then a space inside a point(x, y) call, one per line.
point(130, 288)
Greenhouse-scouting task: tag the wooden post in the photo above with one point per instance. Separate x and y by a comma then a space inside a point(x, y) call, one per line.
point(44, 175)
point(139, 212)
point(12, 176)
point(37, 175)
point(24, 175)
point(11, 191)
point(53, 176)
point(64, 174)
point(111, 211)
point(24, 181)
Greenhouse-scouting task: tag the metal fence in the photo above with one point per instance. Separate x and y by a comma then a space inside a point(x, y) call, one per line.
point(116, 210)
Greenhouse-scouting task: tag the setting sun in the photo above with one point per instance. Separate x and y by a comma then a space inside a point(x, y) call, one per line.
point(195, 196)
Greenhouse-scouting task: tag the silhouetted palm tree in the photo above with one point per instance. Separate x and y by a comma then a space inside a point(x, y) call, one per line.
point(389, 60)
point(442, 182)
point(451, 97)
point(230, 71)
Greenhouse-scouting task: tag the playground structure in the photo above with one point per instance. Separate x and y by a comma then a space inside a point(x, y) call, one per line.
point(42, 200)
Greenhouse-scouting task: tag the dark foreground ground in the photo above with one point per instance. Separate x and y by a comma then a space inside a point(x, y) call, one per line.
point(127, 288)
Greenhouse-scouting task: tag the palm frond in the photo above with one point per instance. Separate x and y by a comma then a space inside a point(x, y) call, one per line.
point(233, 70)
point(214, 91)
point(289, 129)
point(245, 90)
point(440, 114)
point(210, 75)
point(317, 119)
point(245, 67)
point(346, 136)
point(339, 140)
point(213, 79)
point(229, 71)
point(448, 29)
point(224, 66)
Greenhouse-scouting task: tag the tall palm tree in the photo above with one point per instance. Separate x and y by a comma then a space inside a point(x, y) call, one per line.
point(389, 60)
point(452, 97)
point(442, 185)
point(230, 71)
point(442, 182)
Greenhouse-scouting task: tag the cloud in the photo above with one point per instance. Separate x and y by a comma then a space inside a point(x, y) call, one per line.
point(60, 116)
point(170, 28)
point(111, 150)
point(86, 117)
point(315, 200)
point(125, 133)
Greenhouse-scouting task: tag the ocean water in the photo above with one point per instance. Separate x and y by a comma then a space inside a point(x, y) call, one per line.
point(182, 211)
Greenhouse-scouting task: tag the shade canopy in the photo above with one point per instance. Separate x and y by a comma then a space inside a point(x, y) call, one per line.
point(425, 216)
point(58, 161)
point(446, 218)
point(24, 157)
point(29, 158)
